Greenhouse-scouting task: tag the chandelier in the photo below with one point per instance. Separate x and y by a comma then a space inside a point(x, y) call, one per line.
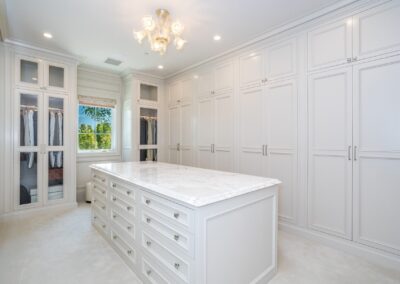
point(160, 31)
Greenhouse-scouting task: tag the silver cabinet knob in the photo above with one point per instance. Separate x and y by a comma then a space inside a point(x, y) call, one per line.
point(148, 201)
point(148, 272)
point(129, 228)
point(94, 200)
point(114, 198)
point(355, 58)
point(104, 192)
point(128, 192)
point(128, 208)
point(113, 185)
point(104, 226)
point(114, 237)
point(176, 237)
point(148, 243)
point(148, 220)
point(103, 207)
point(103, 179)
point(95, 217)
point(94, 186)
point(129, 251)
point(176, 215)
point(114, 216)
point(177, 265)
point(349, 60)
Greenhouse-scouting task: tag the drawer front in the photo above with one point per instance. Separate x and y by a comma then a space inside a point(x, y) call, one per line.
point(99, 222)
point(127, 191)
point(152, 274)
point(174, 212)
point(100, 190)
point(166, 257)
point(99, 203)
point(121, 204)
point(124, 224)
point(99, 178)
point(123, 247)
point(176, 236)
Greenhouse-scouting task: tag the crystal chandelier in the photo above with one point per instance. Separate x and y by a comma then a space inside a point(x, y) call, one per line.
point(160, 31)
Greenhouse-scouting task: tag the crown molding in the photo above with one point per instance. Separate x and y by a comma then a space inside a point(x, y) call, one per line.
point(132, 72)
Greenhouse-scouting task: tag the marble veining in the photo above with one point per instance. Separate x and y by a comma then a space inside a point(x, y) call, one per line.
point(192, 186)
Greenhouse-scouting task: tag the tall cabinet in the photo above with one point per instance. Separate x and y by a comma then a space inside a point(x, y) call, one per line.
point(43, 96)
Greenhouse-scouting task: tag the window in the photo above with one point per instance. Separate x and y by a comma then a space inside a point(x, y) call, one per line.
point(96, 128)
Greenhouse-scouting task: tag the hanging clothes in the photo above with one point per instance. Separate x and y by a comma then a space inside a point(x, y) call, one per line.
point(60, 137)
point(149, 139)
point(51, 142)
point(29, 134)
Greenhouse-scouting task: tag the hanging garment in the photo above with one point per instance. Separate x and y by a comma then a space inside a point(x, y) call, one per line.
point(51, 142)
point(149, 139)
point(60, 137)
point(31, 137)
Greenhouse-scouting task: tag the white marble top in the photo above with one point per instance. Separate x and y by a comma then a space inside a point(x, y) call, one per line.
point(193, 186)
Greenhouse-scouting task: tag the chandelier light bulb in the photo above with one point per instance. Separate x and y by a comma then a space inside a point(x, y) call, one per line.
point(177, 28)
point(148, 23)
point(139, 36)
point(179, 43)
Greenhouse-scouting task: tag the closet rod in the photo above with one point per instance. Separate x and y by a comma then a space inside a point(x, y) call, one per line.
point(148, 117)
point(35, 107)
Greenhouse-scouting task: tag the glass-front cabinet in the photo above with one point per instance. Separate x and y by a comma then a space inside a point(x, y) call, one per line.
point(40, 74)
point(148, 133)
point(39, 155)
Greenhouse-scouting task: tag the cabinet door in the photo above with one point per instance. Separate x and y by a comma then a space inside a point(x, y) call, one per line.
point(187, 90)
point(376, 31)
point(55, 76)
point(251, 69)
point(330, 45)
point(281, 60)
point(330, 140)
point(205, 131)
point(186, 148)
point(281, 112)
point(224, 78)
point(29, 72)
point(377, 156)
point(205, 83)
point(251, 131)
point(174, 134)
point(224, 137)
point(174, 93)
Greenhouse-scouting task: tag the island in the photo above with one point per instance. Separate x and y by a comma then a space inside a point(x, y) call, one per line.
point(177, 224)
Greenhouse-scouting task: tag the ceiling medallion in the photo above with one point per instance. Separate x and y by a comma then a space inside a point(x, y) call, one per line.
point(160, 31)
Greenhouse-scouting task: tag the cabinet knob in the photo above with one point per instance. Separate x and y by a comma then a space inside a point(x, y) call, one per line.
point(148, 272)
point(114, 237)
point(104, 226)
point(114, 198)
point(114, 185)
point(349, 60)
point(103, 207)
point(147, 201)
point(103, 179)
point(148, 220)
point(128, 208)
point(129, 228)
point(129, 251)
point(177, 265)
point(176, 237)
point(176, 215)
point(148, 243)
point(95, 217)
point(104, 192)
point(128, 192)
point(114, 216)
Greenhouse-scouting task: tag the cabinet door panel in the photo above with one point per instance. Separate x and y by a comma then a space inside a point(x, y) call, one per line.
point(187, 90)
point(174, 93)
point(376, 31)
point(330, 167)
point(186, 135)
point(224, 77)
point(205, 83)
point(251, 131)
point(281, 60)
point(251, 69)
point(205, 133)
point(377, 159)
point(330, 45)
point(224, 132)
point(174, 135)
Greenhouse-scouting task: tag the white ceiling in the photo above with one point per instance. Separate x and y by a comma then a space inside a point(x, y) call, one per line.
point(97, 29)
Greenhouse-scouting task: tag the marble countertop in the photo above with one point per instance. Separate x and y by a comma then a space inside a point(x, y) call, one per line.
point(193, 186)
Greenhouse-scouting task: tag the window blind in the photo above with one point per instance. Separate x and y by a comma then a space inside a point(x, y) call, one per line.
point(97, 102)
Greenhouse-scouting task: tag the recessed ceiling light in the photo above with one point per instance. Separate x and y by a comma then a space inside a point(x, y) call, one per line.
point(160, 67)
point(47, 35)
point(217, 37)
point(196, 76)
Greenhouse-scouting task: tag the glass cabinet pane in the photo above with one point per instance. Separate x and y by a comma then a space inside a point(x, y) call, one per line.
point(148, 155)
point(55, 175)
point(56, 121)
point(148, 92)
point(56, 76)
point(28, 178)
point(29, 71)
point(28, 120)
point(148, 126)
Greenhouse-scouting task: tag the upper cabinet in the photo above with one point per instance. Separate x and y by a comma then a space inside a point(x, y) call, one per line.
point(40, 74)
point(216, 81)
point(272, 63)
point(174, 93)
point(371, 33)
point(148, 94)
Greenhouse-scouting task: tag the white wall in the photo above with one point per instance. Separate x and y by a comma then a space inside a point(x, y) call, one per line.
point(101, 84)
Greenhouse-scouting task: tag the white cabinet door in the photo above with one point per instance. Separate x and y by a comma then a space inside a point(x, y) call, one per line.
point(205, 83)
point(205, 133)
point(224, 137)
point(281, 60)
point(188, 90)
point(251, 69)
point(376, 31)
point(251, 131)
point(186, 147)
point(281, 119)
point(330, 45)
point(330, 140)
point(224, 78)
point(174, 93)
point(377, 156)
point(174, 134)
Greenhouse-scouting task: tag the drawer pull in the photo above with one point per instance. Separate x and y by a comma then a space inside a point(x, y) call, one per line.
point(176, 215)
point(128, 208)
point(129, 228)
point(114, 216)
point(115, 237)
point(95, 217)
point(148, 220)
point(176, 265)
point(128, 192)
point(94, 186)
point(176, 237)
point(148, 243)
point(103, 179)
point(103, 207)
point(114, 198)
point(104, 192)
point(113, 185)
point(95, 176)
point(147, 201)
point(129, 251)
point(94, 200)
point(148, 272)
point(104, 226)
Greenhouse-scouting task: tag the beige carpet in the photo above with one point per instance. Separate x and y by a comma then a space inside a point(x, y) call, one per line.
point(64, 248)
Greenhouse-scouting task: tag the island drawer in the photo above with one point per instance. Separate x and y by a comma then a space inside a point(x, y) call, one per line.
point(100, 190)
point(152, 274)
point(179, 215)
point(99, 178)
point(127, 191)
point(124, 224)
point(99, 204)
point(172, 235)
point(179, 266)
point(123, 247)
point(99, 222)
point(121, 204)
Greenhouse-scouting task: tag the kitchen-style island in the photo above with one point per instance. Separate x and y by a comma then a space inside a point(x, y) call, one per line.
point(177, 224)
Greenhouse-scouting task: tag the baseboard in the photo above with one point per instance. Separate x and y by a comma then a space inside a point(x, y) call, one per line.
point(38, 210)
point(372, 255)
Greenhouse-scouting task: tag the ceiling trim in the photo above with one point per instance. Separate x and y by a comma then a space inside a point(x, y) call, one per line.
point(272, 32)
point(3, 21)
